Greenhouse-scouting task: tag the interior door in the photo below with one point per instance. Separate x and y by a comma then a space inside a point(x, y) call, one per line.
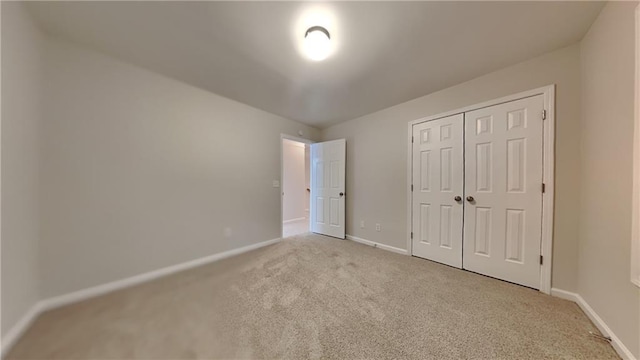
point(328, 160)
point(503, 188)
point(437, 190)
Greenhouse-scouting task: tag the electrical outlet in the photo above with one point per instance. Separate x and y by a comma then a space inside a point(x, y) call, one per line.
point(227, 232)
point(377, 227)
point(276, 183)
point(362, 224)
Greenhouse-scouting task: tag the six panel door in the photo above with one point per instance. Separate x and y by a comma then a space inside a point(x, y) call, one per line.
point(503, 191)
point(437, 181)
point(328, 161)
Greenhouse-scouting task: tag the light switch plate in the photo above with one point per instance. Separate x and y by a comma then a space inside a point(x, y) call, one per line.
point(276, 183)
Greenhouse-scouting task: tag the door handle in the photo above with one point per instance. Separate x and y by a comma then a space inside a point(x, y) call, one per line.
point(457, 198)
point(341, 194)
point(470, 199)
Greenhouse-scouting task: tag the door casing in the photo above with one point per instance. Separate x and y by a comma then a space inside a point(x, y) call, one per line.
point(548, 166)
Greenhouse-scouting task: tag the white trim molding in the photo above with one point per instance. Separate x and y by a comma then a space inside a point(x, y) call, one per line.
point(377, 245)
point(293, 220)
point(635, 212)
point(546, 246)
point(16, 331)
point(94, 291)
point(57, 301)
point(617, 344)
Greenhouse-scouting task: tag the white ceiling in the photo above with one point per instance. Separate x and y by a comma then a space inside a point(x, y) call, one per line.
point(386, 52)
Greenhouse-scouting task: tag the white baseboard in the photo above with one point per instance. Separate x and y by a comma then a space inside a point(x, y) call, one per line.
point(57, 301)
point(618, 346)
point(19, 328)
point(293, 220)
point(377, 245)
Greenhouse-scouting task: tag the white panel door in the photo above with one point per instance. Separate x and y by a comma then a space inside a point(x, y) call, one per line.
point(437, 190)
point(503, 189)
point(328, 160)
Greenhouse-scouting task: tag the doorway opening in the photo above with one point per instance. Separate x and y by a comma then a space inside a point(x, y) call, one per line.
point(296, 193)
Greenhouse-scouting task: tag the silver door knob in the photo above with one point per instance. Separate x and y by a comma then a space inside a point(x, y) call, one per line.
point(470, 198)
point(457, 198)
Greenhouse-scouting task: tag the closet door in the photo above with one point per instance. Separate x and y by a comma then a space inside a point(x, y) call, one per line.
point(437, 190)
point(503, 191)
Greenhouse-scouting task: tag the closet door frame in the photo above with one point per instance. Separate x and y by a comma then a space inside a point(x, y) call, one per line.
point(548, 166)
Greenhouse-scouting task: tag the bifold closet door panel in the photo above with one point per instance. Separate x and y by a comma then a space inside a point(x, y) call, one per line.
point(437, 183)
point(503, 191)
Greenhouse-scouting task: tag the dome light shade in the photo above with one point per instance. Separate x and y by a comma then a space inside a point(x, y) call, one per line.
point(317, 43)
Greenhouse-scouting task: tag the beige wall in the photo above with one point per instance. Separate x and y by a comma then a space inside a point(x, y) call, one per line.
point(607, 56)
point(21, 83)
point(377, 153)
point(142, 172)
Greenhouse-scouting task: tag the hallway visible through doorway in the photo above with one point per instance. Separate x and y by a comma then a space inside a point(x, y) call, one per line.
point(295, 187)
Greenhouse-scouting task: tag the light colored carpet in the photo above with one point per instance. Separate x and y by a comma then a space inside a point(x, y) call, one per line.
point(316, 297)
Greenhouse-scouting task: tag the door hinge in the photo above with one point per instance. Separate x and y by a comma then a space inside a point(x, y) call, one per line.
point(411, 187)
point(541, 258)
point(544, 188)
point(544, 114)
point(412, 235)
point(412, 139)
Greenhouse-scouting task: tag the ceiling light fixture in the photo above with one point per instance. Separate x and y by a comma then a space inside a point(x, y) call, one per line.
point(317, 43)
